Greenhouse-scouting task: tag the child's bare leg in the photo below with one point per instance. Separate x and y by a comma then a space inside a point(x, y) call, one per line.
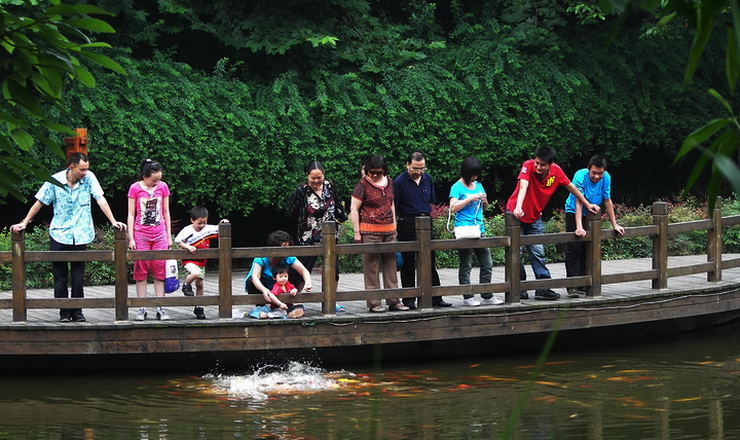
point(141, 288)
point(199, 286)
point(191, 277)
point(158, 287)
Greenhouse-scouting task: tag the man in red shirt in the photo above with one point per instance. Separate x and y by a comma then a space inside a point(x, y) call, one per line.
point(538, 180)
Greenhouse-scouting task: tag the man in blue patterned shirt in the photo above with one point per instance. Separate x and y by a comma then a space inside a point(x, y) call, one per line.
point(71, 227)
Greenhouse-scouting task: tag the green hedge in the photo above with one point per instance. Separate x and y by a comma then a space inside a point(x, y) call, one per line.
point(236, 145)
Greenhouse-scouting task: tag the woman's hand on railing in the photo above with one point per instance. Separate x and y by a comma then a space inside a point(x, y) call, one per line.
point(580, 232)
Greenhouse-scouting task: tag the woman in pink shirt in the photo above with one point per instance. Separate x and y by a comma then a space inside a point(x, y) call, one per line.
point(149, 229)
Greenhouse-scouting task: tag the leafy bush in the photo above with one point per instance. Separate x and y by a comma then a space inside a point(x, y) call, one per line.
point(731, 235)
point(236, 145)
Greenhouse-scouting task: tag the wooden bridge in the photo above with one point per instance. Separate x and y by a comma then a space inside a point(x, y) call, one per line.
point(628, 298)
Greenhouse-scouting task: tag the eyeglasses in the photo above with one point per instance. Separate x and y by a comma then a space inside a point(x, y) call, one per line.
point(375, 173)
point(418, 169)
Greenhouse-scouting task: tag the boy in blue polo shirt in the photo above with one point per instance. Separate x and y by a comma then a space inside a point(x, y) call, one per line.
point(594, 183)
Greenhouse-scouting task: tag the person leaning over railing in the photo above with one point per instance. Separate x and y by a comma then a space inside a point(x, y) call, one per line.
point(374, 221)
point(538, 180)
point(595, 184)
point(71, 227)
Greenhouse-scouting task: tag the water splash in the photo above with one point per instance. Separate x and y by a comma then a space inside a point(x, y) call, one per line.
point(293, 378)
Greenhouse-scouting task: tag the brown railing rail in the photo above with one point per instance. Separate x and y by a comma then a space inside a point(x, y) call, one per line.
point(424, 245)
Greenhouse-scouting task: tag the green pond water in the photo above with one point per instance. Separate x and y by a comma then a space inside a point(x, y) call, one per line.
point(685, 387)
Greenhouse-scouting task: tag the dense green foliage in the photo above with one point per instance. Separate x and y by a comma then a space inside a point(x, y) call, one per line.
point(40, 48)
point(716, 141)
point(238, 144)
point(266, 95)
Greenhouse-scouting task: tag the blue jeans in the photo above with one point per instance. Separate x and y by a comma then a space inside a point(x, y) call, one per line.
point(466, 265)
point(536, 251)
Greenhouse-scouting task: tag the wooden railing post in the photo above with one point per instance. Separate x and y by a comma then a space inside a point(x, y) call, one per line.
point(660, 245)
point(329, 268)
point(19, 275)
point(714, 243)
point(225, 299)
point(424, 268)
point(512, 257)
point(120, 267)
point(593, 255)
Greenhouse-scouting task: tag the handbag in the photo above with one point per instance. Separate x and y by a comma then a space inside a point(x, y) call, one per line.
point(461, 232)
point(171, 280)
point(467, 231)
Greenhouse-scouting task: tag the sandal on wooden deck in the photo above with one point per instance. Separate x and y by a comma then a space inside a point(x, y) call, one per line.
point(398, 308)
point(297, 312)
point(377, 309)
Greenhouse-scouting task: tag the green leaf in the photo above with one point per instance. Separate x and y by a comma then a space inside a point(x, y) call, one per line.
point(92, 24)
point(104, 61)
point(667, 19)
point(700, 135)
point(84, 76)
point(57, 127)
point(21, 96)
point(698, 169)
point(76, 9)
point(715, 94)
point(729, 169)
point(22, 138)
point(95, 44)
point(701, 38)
point(732, 60)
point(54, 80)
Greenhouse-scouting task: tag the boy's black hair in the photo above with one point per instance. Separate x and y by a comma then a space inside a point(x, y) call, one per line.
point(279, 268)
point(198, 212)
point(597, 161)
point(277, 238)
point(545, 154)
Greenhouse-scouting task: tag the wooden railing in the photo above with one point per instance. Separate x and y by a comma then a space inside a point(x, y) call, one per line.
point(659, 231)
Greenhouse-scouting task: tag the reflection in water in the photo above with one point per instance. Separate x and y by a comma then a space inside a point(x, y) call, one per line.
point(672, 390)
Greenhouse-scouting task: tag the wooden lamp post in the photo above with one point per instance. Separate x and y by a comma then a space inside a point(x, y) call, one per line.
point(77, 143)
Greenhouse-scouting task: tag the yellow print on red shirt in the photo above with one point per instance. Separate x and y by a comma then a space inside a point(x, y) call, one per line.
point(550, 181)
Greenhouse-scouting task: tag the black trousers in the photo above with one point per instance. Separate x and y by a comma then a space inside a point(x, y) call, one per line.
point(575, 253)
point(62, 271)
point(406, 228)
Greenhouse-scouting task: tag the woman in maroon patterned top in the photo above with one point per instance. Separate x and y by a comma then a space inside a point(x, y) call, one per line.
point(374, 221)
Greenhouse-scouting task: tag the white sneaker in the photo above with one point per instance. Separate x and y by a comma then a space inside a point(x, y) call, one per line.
point(141, 315)
point(472, 302)
point(491, 301)
point(162, 314)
